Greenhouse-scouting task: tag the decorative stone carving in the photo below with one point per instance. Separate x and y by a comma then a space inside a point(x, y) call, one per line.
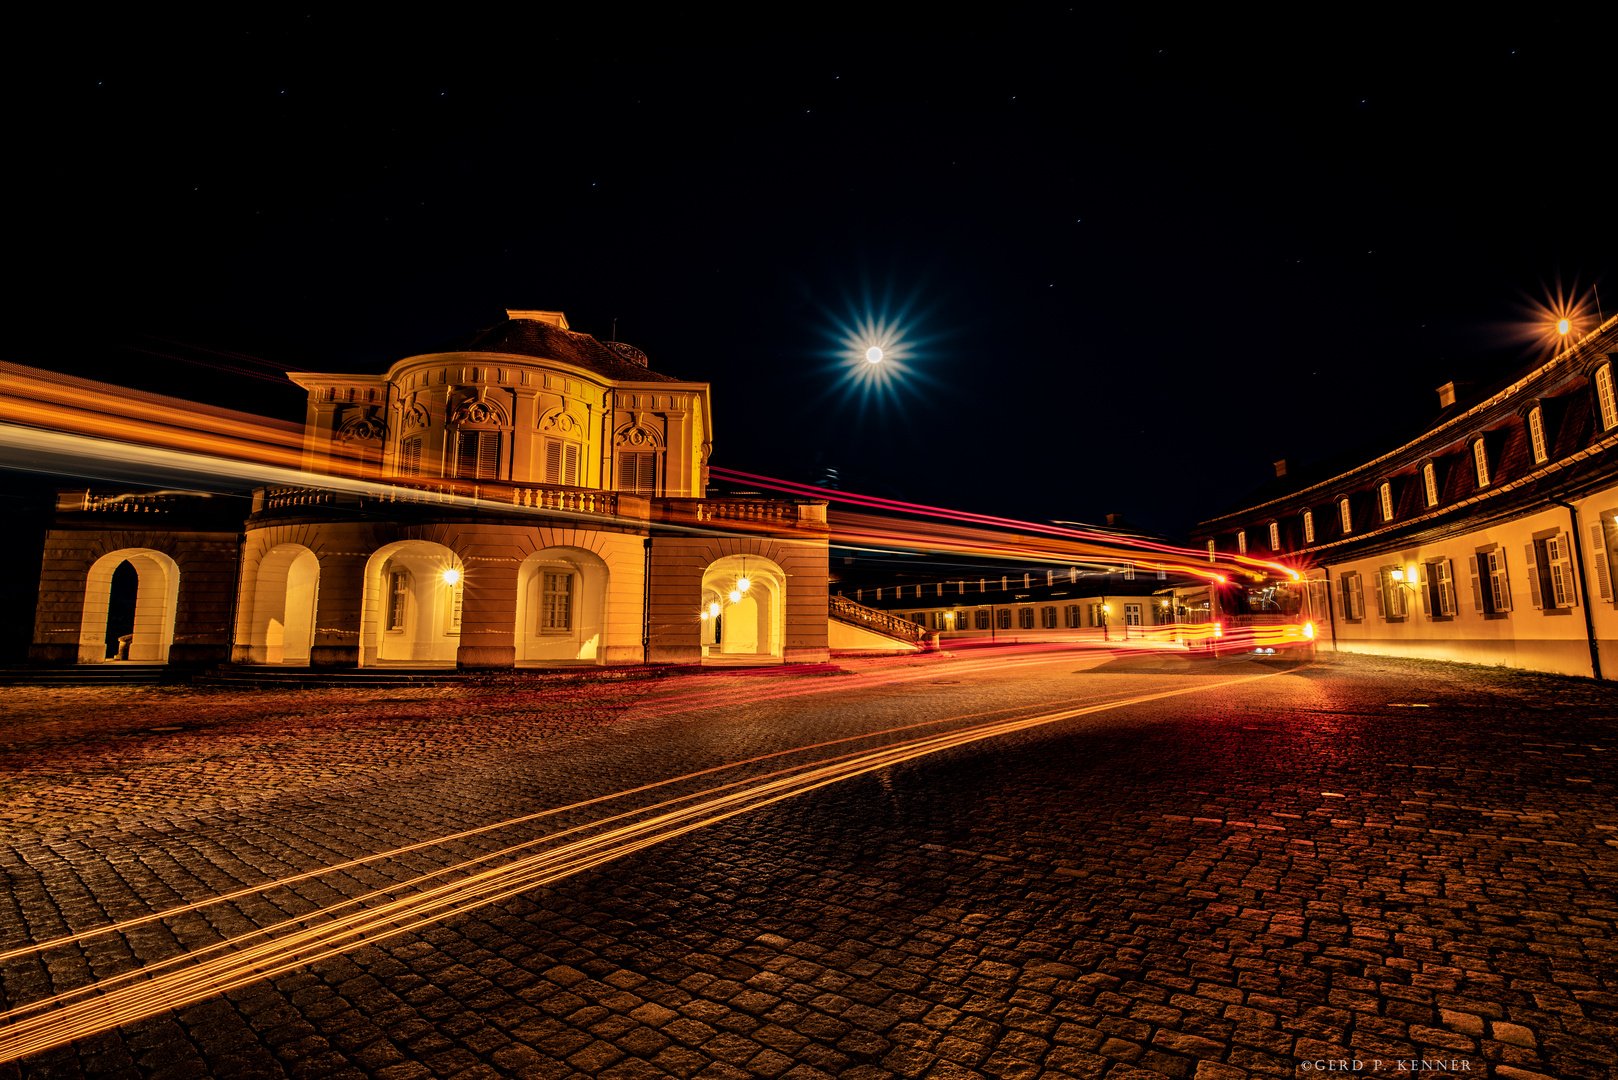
point(416, 416)
point(477, 414)
point(367, 428)
point(636, 435)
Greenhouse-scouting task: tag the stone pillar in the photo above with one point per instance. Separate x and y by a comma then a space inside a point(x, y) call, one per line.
point(524, 422)
point(488, 616)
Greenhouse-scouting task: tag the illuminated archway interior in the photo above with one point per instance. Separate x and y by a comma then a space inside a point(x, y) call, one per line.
point(412, 613)
point(561, 600)
point(741, 621)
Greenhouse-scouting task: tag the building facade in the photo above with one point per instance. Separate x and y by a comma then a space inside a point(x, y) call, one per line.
point(523, 495)
point(1490, 536)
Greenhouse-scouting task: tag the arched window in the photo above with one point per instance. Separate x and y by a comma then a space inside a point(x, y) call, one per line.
point(1429, 483)
point(1210, 550)
point(1480, 462)
point(1536, 435)
point(1241, 541)
point(1308, 526)
point(1604, 398)
point(1384, 499)
point(1346, 515)
point(1275, 536)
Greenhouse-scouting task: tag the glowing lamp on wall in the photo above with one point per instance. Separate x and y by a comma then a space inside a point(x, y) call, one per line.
point(1563, 326)
point(451, 576)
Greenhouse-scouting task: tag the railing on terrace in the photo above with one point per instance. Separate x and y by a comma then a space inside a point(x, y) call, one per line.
point(408, 490)
point(124, 502)
point(882, 622)
point(746, 510)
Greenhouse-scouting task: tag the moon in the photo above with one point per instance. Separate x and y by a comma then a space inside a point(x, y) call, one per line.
point(873, 355)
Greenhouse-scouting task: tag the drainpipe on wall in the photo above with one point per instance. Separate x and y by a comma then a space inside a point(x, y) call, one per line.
point(1584, 583)
point(646, 609)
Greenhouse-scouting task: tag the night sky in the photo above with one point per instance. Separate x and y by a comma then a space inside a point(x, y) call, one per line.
point(1134, 260)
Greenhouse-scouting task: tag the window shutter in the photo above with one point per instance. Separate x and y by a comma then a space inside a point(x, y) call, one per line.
point(637, 473)
point(1357, 597)
point(488, 455)
point(1539, 598)
point(1475, 564)
point(1383, 600)
point(570, 465)
point(1598, 544)
point(553, 461)
point(466, 455)
point(410, 457)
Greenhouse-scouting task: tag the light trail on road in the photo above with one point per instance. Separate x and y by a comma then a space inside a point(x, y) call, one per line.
point(684, 703)
point(122, 1000)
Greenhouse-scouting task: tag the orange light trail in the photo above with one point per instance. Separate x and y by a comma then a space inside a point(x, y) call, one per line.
point(121, 999)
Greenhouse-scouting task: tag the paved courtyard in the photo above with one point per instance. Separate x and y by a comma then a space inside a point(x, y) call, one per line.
point(1279, 871)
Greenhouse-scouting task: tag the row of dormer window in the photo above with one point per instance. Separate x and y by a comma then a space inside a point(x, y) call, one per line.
point(1482, 468)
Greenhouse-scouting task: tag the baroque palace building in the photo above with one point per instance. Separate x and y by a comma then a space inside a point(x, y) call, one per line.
point(522, 495)
point(1489, 536)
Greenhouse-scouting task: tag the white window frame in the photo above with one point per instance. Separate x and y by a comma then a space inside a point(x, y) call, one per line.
point(1480, 462)
point(1536, 436)
point(1211, 550)
point(556, 592)
point(1132, 615)
point(1345, 514)
point(1241, 541)
point(1440, 588)
point(1606, 406)
point(1391, 596)
point(1308, 526)
point(1384, 499)
point(1429, 483)
point(398, 601)
point(1493, 582)
point(1275, 536)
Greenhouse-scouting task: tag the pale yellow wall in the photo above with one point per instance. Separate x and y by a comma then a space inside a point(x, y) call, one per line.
point(527, 402)
point(1528, 637)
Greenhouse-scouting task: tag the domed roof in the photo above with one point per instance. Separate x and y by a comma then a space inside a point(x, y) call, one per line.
point(544, 339)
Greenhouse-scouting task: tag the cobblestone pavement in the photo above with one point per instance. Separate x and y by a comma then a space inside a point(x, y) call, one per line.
point(1366, 860)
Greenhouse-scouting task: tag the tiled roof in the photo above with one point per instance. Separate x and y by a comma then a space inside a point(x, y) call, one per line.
point(526, 337)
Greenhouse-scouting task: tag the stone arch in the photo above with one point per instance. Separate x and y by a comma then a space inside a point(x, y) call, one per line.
point(580, 601)
point(411, 606)
point(156, 601)
point(751, 622)
point(279, 613)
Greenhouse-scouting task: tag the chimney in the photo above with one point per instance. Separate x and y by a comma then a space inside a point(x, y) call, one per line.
point(1115, 521)
point(1450, 391)
point(1281, 467)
